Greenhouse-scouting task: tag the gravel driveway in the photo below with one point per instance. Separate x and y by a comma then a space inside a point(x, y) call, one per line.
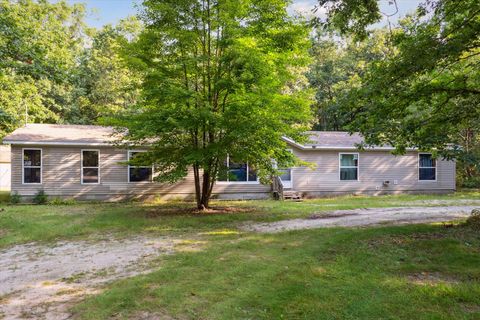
point(366, 217)
point(42, 282)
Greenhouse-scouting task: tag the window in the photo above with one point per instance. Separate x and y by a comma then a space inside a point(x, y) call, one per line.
point(32, 166)
point(90, 166)
point(138, 173)
point(348, 166)
point(237, 172)
point(427, 167)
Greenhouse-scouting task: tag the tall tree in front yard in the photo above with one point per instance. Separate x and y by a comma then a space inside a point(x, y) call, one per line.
point(220, 77)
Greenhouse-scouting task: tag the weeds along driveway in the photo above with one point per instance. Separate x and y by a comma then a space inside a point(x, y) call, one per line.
point(42, 282)
point(367, 217)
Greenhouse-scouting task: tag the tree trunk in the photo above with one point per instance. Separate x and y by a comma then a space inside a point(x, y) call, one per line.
point(204, 185)
point(196, 173)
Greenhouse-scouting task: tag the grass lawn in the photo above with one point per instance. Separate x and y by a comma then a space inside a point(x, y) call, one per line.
point(408, 272)
point(411, 272)
point(26, 223)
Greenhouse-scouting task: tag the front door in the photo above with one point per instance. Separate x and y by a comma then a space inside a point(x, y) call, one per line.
point(286, 177)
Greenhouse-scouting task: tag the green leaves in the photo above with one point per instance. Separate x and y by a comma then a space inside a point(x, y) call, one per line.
point(219, 77)
point(424, 92)
point(59, 70)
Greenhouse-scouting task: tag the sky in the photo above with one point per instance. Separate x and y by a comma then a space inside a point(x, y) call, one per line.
point(101, 12)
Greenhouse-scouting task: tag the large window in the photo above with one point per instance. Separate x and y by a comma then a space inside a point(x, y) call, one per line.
point(32, 166)
point(237, 172)
point(138, 173)
point(348, 166)
point(427, 167)
point(90, 166)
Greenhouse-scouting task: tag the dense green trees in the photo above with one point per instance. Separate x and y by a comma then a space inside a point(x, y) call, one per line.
point(337, 68)
point(219, 78)
point(103, 85)
point(426, 92)
point(39, 42)
point(56, 68)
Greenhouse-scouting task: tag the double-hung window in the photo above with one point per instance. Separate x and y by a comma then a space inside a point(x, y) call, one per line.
point(348, 166)
point(138, 173)
point(427, 167)
point(90, 166)
point(32, 166)
point(237, 172)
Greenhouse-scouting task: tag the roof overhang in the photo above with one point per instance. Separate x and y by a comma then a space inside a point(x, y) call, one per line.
point(106, 144)
point(340, 148)
point(57, 143)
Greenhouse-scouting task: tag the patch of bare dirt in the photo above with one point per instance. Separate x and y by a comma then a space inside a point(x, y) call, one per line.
point(144, 315)
point(368, 217)
point(330, 215)
point(42, 282)
point(404, 239)
point(161, 212)
point(445, 202)
point(431, 279)
point(470, 308)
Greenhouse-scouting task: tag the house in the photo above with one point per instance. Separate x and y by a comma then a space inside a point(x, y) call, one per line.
point(5, 173)
point(82, 162)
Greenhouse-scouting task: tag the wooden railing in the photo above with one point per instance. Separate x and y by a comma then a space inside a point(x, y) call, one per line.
point(277, 188)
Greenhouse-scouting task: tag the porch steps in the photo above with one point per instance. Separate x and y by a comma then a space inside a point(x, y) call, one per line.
point(292, 195)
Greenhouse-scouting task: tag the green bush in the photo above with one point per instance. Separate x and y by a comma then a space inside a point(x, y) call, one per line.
point(40, 197)
point(473, 182)
point(15, 198)
point(62, 202)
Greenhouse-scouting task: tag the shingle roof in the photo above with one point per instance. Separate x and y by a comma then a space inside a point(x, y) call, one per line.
point(61, 134)
point(333, 139)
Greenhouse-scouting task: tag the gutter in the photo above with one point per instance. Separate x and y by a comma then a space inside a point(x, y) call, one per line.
point(288, 140)
point(47, 143)
point(341, 148)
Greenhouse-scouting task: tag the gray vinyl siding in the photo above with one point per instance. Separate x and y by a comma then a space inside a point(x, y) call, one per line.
point(61, 176)
point(374, 168)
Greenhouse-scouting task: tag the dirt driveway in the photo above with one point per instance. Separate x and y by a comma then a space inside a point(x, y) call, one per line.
point(366, 217)
point(42, 282)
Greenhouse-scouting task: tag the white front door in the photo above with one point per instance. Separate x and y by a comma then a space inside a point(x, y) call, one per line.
point(286, 177)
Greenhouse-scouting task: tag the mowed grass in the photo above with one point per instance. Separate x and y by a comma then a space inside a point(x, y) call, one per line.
point(46, 223)
point(408, 272)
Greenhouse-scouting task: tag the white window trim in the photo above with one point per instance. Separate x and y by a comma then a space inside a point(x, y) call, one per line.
point(348, 167)
point(418, 167)
point(129, 166)
point(238, 182)
point(82, 167)
point(41, 166)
